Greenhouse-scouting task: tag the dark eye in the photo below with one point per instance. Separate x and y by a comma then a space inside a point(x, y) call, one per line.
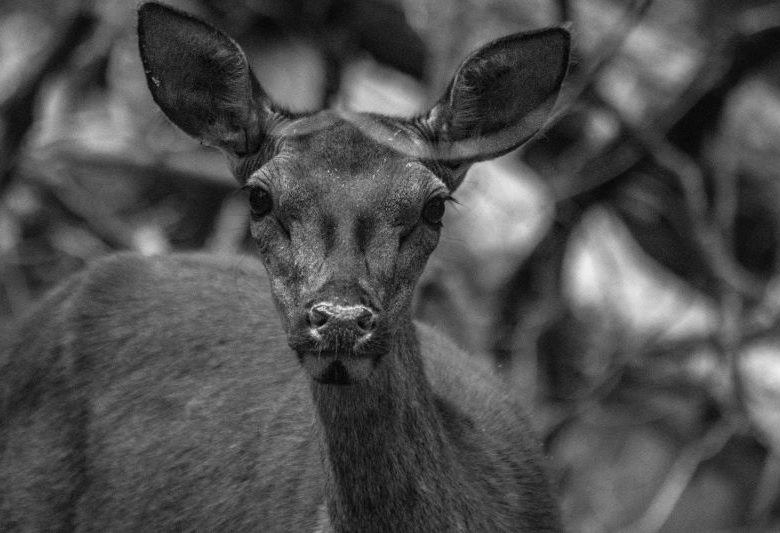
point(260, 202)
point(433, 210)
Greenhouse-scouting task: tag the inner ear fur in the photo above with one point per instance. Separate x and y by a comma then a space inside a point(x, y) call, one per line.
point(201, 79)
point(500, 96)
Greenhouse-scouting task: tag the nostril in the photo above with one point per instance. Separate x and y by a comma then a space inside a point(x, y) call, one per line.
point(341, 318)
point(317, 316)
point(366, 320)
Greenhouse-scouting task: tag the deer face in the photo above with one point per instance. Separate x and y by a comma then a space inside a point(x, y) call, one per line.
point(344, 225)
point(346, 207)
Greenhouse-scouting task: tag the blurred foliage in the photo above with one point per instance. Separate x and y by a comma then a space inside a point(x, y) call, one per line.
point(621, 270)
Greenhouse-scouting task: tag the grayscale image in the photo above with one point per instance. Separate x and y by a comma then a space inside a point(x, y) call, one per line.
point(337, 266)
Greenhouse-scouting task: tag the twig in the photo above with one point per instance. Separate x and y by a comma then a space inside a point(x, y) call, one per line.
point(607, 50)
point(101, 221)
point(230, 226)
point(524, 287)
point(17, 111)
point(564, 12)
point(767, 491)
point(111, 166)
point(709, 240)
point(14, 284)
point(730, 337)
point(712, 245)
point(679, 477)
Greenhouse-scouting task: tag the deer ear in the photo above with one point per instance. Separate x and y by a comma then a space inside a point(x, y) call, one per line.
point(201, 79)
point(500, 96)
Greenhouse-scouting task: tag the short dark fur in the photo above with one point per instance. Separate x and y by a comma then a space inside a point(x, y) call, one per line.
point(165, 394)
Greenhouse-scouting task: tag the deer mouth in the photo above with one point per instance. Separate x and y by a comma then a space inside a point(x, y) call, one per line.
point(339, 352)
point(331, 368)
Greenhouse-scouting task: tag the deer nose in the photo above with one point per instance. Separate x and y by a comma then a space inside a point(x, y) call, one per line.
point(356, 319)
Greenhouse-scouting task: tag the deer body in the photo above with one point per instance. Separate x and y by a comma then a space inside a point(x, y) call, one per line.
point(140, 431)
point(166, 394)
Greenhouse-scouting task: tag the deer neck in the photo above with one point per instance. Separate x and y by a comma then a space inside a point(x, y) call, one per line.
point(389, 461)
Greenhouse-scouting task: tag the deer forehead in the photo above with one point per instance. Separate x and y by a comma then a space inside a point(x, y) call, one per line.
point(341, 170)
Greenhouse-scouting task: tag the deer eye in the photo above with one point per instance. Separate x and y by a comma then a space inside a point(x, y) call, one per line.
point(260, 203)
point(433, 210)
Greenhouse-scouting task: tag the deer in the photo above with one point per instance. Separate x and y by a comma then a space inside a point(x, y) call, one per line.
point(295, 393)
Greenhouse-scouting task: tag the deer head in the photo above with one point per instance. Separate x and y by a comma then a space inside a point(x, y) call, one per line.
point(346, 207)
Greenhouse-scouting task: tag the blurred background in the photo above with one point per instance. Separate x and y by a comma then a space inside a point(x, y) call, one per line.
point(620, 271)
